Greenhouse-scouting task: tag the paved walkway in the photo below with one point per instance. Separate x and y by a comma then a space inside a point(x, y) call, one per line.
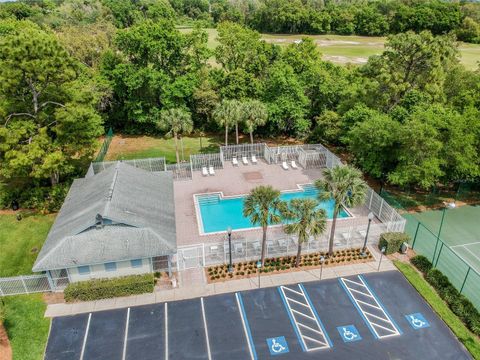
point(193, 285)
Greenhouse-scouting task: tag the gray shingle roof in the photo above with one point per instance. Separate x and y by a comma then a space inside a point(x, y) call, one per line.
point(139, 219)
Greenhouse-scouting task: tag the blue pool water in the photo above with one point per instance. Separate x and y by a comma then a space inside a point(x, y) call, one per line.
point(218, 213)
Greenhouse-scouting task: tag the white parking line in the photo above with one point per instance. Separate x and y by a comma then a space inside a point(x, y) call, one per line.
point(166, 332)
point(304, 319)
point(206, 330)
point(375, 322)
point(85, 337)
point(126, 335)
point(246, 328)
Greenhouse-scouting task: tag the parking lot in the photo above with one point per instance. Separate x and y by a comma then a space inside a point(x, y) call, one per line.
point(373, 316)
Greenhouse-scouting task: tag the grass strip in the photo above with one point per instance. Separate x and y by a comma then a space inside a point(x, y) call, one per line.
point(471, 342)
point(26, 326)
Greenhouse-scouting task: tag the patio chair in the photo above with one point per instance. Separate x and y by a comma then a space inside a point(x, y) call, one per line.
point(294, 165)
point(244, 160)
point(234, 161)
point(211, 170)
point(256, 246)
point(254, 160)
point(362, 233)
point(284, 165)
point(204, 171)
point(269, 245)
point(282, 243)
point(238, 247)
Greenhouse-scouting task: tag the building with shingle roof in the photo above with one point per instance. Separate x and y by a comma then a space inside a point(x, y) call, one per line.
point(120, 221)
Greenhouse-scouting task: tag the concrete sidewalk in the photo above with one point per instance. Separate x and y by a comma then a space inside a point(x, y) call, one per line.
point(194, 286)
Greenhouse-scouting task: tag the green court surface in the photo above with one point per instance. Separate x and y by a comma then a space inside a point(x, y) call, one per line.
point(454, 249)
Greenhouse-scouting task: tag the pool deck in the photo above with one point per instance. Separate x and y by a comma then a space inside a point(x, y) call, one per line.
point(239, 180)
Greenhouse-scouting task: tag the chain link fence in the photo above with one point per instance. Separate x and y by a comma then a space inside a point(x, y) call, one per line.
point(106, 144)
point(460, 273)
point(24, 284)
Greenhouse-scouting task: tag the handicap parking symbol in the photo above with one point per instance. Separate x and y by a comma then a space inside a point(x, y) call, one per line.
point(417, 321)
point(349, 333)
point(277, 345)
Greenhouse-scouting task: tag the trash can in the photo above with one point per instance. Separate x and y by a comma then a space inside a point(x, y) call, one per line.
point(404, 248)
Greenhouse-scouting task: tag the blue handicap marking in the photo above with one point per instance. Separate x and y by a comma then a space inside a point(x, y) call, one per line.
point(349, 333)
point(277, 345)
point(417, 321)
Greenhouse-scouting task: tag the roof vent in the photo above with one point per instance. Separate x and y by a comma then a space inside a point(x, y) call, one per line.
point(99, 221)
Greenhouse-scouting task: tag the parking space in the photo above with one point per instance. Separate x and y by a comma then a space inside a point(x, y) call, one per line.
point(375, 316)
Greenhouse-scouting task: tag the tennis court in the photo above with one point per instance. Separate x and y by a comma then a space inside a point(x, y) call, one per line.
point(453, 247)
point(372, 316)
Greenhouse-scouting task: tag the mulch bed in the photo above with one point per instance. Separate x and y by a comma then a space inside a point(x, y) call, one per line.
point(284, 264)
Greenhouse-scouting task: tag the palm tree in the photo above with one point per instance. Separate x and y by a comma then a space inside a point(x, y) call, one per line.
point(304, 220)
point(345, 185)
point(264, 207)
point(255, 114)
point(175, 121)
point(227, 113)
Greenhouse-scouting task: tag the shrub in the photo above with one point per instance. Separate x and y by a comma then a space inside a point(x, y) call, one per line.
point(421, 263)
point(392, 241)
point(437, 280)
point(109, 288)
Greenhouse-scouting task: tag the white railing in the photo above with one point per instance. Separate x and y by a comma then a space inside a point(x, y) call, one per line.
point(247, 246)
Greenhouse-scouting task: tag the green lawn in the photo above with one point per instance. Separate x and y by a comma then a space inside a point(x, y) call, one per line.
point(26, 326)
point(471, 342)
point(20, 242)
point(348, 49)
point(138, 147)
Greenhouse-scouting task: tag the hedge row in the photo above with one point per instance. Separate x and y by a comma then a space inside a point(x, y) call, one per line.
point(109, 288)
point(392, 241)
point(459, 304)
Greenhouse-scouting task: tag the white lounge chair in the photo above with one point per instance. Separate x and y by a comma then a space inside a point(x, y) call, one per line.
point(284, 165)
point(294, 165)
point(204, 171)
point(234, 161)
point(211, 170)
point(244, 160)
point(254, 159)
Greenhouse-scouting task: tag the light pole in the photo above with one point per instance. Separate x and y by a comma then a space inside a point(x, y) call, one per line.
point(259, 267)
point(370, 217)
point(229, 232)
point(322, 260)
point(446, 206)
point(381, 257)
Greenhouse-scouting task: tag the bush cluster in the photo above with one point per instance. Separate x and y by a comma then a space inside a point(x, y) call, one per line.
point(392, 241)
point(45, 199)
point(422, 263)
point(459, 304)
point(109, 288)
point(282, 263)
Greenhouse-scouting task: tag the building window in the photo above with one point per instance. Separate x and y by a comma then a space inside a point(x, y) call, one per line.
point(111, 266)
point(136, 263)
point(84, 270)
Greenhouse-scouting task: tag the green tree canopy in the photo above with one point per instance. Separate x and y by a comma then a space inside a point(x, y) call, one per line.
point(49, 123)
point(345, 185)
point(305, 220)
point(264, 208)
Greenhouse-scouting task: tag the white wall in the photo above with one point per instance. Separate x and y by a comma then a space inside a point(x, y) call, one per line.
point(124, 268)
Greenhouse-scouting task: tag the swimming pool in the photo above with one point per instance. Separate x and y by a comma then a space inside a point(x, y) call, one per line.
point(217, 213)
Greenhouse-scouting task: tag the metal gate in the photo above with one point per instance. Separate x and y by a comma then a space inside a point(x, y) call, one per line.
point(190, 258)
